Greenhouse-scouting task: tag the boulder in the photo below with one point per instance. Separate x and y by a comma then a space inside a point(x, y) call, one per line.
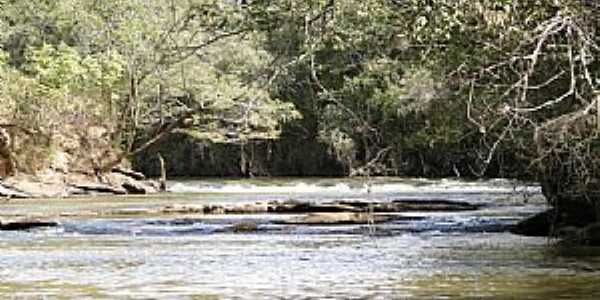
point(551, 221)
point(537, 225)
point(129, 184)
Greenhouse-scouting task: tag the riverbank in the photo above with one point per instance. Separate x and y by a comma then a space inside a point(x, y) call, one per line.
point(334, 209)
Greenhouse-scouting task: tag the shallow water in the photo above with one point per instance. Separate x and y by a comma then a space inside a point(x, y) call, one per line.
point(443, 256)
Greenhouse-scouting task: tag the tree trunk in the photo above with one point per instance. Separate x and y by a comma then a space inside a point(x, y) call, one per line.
point(163, 174)
point(7, 163)
point(163, 132)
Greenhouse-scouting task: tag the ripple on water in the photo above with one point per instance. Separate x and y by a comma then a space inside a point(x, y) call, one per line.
point(262, 266)
point(189, 258)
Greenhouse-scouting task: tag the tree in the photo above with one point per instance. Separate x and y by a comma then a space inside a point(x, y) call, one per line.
point(143, 66)
point(364, 80)
point(474, 80)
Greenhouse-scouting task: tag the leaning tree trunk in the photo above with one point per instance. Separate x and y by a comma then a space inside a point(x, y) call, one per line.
point(7, 163)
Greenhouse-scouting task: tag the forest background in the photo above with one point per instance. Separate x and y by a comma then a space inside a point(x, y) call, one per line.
point(303, 88)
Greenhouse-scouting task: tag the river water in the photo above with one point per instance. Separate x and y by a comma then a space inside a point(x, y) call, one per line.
point(437, 256)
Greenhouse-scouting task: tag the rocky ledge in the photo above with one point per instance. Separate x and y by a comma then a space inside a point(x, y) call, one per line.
point(50, 184)
point(284, 212)
point(339, 206)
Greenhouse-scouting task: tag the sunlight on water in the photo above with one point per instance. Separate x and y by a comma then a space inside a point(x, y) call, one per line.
point(444, 256)
point(375, 186)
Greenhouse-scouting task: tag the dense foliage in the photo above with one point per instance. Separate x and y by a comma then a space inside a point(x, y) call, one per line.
point(434, 88)
point(439, 87)
point(134, 68)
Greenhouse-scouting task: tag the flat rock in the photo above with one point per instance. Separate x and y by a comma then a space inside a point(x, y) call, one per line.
point(10, 193)
point(424, 206)
point(309, 207)
point(93, 187)
point(129, 173)
point(50, 184)
point(135, 188)
point(250, 208)
point(131, 212)
point(395, 206)
point(337, 219)
point(183, 209)
point(32, 186)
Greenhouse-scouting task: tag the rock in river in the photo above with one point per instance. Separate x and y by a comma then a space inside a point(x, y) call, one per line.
point(15, 225)
point(244, 226)
point(337, 219)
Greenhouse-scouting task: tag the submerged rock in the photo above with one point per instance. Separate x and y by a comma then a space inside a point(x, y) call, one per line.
point(17, 225)
point(244, 226)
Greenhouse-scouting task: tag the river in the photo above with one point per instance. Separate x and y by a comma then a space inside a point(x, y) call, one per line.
point(440, 255)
